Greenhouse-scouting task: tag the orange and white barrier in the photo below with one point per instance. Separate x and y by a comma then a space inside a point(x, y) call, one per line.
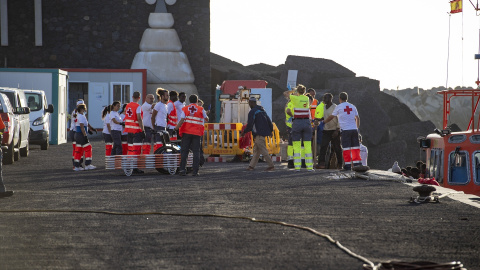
point(127, 163)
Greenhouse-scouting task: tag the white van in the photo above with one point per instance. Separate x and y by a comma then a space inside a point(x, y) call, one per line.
point(39, 117)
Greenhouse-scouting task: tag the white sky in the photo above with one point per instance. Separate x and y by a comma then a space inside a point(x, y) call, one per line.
point(400, 43)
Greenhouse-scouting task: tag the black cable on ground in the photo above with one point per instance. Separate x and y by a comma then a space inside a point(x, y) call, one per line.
point(304, 228)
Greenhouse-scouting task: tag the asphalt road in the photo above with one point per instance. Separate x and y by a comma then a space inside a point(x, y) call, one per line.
point(102, 219)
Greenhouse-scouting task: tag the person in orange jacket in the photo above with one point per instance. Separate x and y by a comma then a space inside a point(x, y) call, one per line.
point(191, 129)
point(3, 191)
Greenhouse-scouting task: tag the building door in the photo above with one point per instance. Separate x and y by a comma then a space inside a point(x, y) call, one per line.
point(97, 101)
point(76, 91)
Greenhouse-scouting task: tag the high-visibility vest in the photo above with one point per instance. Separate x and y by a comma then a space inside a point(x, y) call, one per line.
point(313, 106)
point(301, 109)
point(319, 112)
point(194, 122)
point(172, 118)
point(131, 121)
point(288, 118)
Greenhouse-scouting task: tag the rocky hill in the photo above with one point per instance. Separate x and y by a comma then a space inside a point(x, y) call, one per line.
point(427, 105)
point(388, 126)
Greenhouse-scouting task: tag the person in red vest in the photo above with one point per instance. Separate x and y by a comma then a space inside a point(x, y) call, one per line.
point(134, 127)
point(349, 121)
point(172, 118)
point(313, 105)
point(191, 127)
point(3, 191)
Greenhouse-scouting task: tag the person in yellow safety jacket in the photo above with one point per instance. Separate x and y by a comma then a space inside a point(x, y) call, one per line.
point(301, 128)
point(288, 124)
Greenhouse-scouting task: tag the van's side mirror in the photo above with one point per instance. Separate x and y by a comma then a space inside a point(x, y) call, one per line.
point(50, 108)
point(21, 110)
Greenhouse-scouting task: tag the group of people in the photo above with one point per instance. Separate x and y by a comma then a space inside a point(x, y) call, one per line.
point(339, 126)
point(132, 129)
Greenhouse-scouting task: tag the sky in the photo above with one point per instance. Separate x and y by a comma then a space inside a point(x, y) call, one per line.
point(403, 44)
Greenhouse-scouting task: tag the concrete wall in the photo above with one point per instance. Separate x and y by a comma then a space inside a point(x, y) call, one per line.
point(102, 34)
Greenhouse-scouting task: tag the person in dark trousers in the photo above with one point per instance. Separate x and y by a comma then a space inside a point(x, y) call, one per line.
point(331, 133)
point(3, 191)
point(191, 128)
point(261, 126)
point(349, 121)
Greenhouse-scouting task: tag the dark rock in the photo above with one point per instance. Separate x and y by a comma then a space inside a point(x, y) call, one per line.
point(409, 133)
point(353, 84)
point(398, 112)
point(383, 156)
point(314, 72)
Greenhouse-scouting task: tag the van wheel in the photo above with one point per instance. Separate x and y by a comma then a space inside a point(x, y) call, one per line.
point(8, 155)
point(25, 151)
point(16, 154)
point(44, 145)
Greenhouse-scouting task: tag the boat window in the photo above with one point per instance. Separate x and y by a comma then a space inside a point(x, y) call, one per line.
point(431, 164)
point(435, 165)
point(457, 138)
point(476, 167)
point(475, 139)
point(439, 167)
point(458, 172)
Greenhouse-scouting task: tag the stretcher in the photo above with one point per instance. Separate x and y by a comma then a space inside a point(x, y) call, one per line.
point(167, 163)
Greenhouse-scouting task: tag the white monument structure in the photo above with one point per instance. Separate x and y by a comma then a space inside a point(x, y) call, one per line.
point(161, 54)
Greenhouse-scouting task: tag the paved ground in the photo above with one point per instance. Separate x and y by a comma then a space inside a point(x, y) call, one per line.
point(105, 220)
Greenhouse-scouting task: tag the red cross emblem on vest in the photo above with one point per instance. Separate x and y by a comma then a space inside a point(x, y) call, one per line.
point(129, 112)
point(192, 109)
point(348, 110)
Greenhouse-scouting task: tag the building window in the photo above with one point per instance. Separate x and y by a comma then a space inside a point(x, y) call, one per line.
point(121, 92)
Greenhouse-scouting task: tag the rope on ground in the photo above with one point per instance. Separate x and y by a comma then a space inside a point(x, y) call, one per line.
point(308, 229)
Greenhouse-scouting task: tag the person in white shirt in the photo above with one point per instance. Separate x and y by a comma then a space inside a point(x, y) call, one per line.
point(107, 136)
point(180, 103)
point(363, 151)
point(159, 117)
point(71, 132)
point(349, 121)
point(82, 143)
point(147, 109)
point(116, 128)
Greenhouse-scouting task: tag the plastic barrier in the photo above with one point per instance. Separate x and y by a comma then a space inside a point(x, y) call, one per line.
point(127, 163)
point(273, 142)
point(222, 139)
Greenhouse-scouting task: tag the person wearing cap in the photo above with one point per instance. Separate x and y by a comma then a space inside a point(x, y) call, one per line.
point(261, 126)
point(82, 143)
point(71, 132)
point(3, 190)
point(301, 129)
point(191, 128)
point(134, 127)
